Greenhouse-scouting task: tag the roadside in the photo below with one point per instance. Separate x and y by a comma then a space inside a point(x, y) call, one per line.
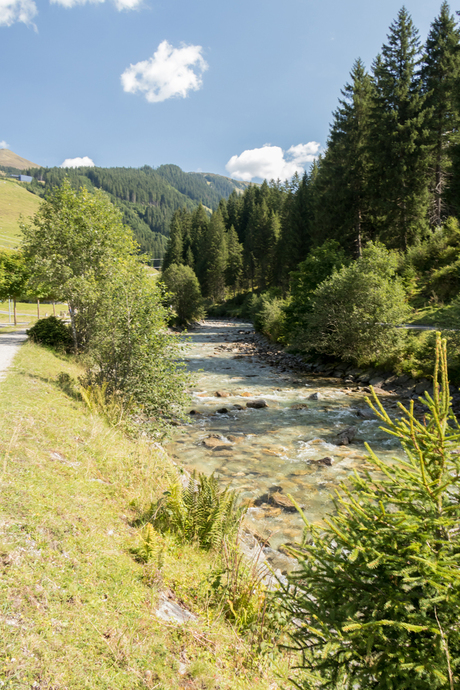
point(9, 345)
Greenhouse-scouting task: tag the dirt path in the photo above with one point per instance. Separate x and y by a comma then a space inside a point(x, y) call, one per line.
point(9, 345)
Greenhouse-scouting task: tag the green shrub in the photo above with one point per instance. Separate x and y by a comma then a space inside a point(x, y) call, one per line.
point(354, 312)
point(199, 512)
point(269, 316)
point(185, 294)
point(376, 595)
point(51, 332)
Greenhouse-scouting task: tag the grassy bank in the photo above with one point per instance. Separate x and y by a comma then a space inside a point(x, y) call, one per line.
point(78, 611)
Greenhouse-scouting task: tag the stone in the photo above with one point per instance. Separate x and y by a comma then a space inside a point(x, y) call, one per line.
point(214, 442)
point(256, 404)
point(324, 461)
point(365, 413)
point(377, 381)
point(232, 437)
point(299, 406)
point(346, 436)
point(422, 386)
point(222, 410)
point(169, 610)
point(221, 394)
point(245, 394)
point(314, 396)
point(237, 407)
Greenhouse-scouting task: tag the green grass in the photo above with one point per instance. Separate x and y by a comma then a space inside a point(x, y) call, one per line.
point(443, 317)
point(77, 611)
point(14, 201)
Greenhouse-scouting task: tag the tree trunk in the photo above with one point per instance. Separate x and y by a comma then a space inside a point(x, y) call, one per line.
point(38, 308)
point(54, 308)
point(14, 311)
point(74, 330)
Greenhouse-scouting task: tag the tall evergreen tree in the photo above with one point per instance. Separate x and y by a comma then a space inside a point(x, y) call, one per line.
point(399, 155)
point(234, 269)
point(175, 246)
point(344, 213)
point(215, 258)
point(440, 77)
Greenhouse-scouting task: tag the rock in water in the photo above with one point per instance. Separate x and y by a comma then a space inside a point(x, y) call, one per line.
point(256, 404)
point(221, 394)
point(324, 461)
point(314, 396)
point(346, 436)
point(222, 410)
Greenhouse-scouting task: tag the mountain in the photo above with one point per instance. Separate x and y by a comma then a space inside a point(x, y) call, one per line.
point(147, 197)
point(8, 159)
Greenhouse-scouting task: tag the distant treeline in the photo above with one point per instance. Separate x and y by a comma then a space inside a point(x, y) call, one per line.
point(391, 172)
point(147, 196)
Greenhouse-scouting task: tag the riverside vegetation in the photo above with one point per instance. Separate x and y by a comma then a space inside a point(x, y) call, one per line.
point(368, 239)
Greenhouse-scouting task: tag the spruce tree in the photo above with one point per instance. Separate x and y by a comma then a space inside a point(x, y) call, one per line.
point(440, 77)
point(234, 268)
point(344, 213)
point(175, 246)
point(376, 594)
point(398, 150)
point(215, 258)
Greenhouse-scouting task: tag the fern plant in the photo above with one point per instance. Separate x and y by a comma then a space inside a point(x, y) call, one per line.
point(199, 511)
point(376, 597)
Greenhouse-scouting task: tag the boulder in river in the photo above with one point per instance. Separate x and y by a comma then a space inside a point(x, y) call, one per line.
point(275, 497)
point(346, 436)
point(237, 407)
point(314, 396)
point(221, 394)
point(222, 410)
point(365, 413)
point(256, 404)
point(324, 461)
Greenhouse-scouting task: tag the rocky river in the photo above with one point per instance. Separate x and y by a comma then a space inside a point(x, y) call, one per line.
point(269, 430)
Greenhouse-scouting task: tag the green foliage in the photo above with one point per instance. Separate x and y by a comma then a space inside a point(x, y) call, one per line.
point(377, 591)
point(184, 293)
point(432, 268)
point(111, 405)
point(268, 315)
point(354, 312)
point(151, 545)
point(199, 512)
point(320, 264)
point(131, 349)
point(51, 332)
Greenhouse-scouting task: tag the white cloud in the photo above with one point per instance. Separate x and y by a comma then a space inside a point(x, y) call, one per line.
point(271, 162)
point(12, 11)
point(4, 145)
point(78, 162)
point(170, 72)
point(119, 4)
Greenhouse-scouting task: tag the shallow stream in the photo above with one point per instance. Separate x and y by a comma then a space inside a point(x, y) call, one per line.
point(254, 450)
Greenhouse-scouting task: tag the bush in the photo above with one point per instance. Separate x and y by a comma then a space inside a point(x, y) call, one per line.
point(131, 349)
point(185, 298)
point(376, 595)
point(269, 317)
point(200, 512)
point(355, 311)
point(51, 332)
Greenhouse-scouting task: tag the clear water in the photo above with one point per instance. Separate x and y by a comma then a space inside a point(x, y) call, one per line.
point(277, 445)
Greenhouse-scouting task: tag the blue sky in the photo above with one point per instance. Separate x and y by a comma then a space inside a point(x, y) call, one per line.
point(201, 84)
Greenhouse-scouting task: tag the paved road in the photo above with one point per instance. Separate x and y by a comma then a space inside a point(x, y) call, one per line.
point(9, 345)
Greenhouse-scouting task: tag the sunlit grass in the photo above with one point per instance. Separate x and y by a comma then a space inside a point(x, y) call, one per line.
point(77, 610)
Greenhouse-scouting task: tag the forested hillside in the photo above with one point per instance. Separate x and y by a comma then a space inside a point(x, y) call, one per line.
point(147, 196)
point(382, 201)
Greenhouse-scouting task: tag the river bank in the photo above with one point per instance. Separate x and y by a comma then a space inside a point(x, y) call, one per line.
point(305, 437)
